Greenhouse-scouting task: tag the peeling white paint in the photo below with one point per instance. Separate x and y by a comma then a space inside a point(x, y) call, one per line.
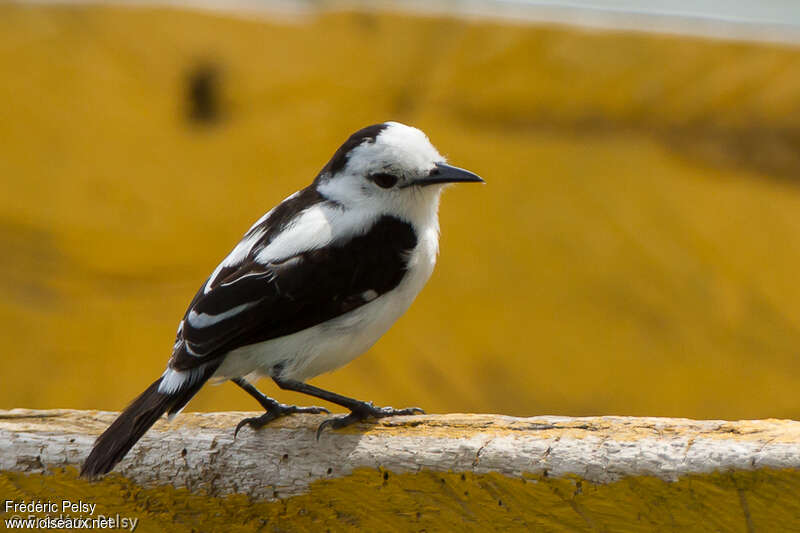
point(285, 459)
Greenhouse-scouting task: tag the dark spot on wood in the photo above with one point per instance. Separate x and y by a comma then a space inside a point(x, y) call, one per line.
point(285, 457)
point(29, 463)
point(183, 452)
point(203, 101)
point(385, 476)
point(500, 503)
point(330, 471)
point(366, 20)
point(463, 477)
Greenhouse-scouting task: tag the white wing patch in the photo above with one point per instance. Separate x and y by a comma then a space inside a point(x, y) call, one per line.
point(236, 256)
point(310, 230)
point(203, 320)
point(315, 228)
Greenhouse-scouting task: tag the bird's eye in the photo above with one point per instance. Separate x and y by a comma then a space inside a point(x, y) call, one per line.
point(383, 180)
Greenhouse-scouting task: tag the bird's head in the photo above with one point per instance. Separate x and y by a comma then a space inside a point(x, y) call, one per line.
point(390, 167)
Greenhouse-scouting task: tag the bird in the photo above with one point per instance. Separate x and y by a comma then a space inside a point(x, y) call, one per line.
point(313, 284)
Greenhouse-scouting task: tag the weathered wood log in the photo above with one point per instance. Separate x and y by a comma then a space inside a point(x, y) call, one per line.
point(433, 472)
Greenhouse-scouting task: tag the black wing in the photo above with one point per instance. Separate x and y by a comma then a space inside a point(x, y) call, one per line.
point(255, 302)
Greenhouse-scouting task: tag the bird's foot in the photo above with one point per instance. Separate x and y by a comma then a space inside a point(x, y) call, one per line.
point(276, 411)
point(364, 411)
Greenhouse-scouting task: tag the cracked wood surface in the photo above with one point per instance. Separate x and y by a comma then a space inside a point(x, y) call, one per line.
point(198, 450)
point(455, 472)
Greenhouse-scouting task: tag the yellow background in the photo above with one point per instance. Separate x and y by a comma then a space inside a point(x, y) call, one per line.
point(635, 251)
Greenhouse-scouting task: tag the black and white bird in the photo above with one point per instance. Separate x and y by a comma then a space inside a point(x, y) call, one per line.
point(313, 284)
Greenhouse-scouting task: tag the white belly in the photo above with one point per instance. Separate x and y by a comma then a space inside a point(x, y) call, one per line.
point(334, 343)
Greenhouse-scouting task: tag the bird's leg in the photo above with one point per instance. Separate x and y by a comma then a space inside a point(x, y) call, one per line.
point(358, 410)
point(274, 408)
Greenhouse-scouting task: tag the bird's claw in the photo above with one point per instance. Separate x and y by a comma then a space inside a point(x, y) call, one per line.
point(258, 422)
point(367, 411)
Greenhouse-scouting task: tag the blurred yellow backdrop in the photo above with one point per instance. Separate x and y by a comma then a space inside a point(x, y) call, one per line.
point(635, 250)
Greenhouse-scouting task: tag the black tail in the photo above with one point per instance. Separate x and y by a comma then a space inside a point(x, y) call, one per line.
point(135, 420)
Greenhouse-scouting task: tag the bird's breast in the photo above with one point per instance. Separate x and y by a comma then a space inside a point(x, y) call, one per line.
point(339, 341)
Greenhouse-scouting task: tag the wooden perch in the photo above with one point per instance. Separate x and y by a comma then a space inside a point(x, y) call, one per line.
point(594, 473)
